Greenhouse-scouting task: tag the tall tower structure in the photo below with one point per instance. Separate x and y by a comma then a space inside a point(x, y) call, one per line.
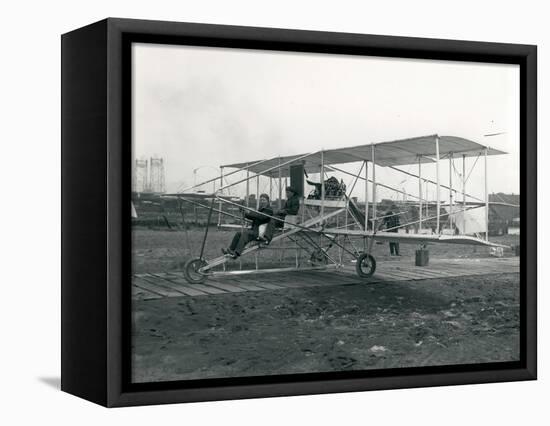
point(141, 176)
point(157, 175)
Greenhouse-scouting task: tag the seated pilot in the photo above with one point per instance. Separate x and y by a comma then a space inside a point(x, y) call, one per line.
point(242, 238)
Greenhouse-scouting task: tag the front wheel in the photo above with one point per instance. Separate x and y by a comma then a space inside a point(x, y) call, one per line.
point(191, 270)
point(365, 266)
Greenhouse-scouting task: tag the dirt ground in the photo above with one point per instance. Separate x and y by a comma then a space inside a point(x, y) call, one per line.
point(343, 327)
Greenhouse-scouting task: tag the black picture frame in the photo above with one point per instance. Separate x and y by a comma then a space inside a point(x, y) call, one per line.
point(96, 176)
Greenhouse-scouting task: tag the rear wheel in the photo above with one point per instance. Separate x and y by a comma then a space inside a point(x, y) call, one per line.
point(365, 266)
point(191, 270)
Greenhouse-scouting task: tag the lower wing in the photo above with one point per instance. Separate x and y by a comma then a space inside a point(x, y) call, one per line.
point(415, 238)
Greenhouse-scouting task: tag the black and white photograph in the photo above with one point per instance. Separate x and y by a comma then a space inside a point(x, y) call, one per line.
point(278, 213)
point(299, 212)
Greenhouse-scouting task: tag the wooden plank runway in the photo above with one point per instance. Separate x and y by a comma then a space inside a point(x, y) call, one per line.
point(173, 284)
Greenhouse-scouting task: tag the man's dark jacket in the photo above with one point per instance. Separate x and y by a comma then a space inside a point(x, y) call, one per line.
point(292, 205)
point(259, 219)
point(392, 222)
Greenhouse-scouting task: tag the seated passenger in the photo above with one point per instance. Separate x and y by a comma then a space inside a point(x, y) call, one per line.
point(291, 206)
point(242, 238)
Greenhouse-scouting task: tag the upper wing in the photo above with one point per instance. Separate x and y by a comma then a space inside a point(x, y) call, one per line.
point(391, 153)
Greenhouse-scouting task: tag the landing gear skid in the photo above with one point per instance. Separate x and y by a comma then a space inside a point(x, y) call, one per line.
point(365, 266)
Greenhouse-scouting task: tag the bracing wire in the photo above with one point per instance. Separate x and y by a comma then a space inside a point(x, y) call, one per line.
point(472, 168)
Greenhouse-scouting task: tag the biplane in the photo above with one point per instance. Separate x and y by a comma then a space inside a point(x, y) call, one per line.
point(331, 225)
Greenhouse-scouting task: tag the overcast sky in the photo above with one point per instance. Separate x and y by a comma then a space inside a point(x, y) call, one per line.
point(204, 107)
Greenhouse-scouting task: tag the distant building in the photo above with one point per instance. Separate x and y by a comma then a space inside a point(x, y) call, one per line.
point(140, 181)
point(149, 176)
point(504, 217)
point(157, 176)
point(513, 228)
